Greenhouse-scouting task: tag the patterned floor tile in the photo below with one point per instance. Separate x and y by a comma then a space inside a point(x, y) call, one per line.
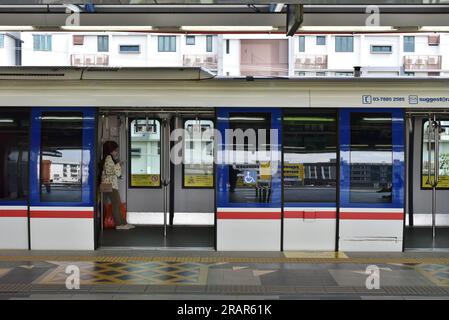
point(437, 273)
point(142, 273)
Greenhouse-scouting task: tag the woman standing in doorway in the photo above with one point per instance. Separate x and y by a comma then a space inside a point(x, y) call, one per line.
point(111, 169)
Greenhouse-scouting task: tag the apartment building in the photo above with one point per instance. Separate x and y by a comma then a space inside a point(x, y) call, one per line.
point(10, 45)
point(236, 55)
point(119, 49)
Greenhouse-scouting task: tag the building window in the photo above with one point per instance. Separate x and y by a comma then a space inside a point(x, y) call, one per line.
point(2, 40)
point(371, 158)
point(301, 73)
point(209, 43)
point(433, 74)
point(381, 49)
point(321, 74)
point(190, 40)
point(409, 74)
point(302, 43)
point(61, 157)
point(103, 43)
point(78, 40)
point(227, 46)
point(344, 74)
point(145, 153)
point(129, 48)
point(344, 44)
point(409, 44)
point(41, 42)
point(320, 40)
point(198, 154)
point(166, 43)
point(14, 128)
point(433, 40)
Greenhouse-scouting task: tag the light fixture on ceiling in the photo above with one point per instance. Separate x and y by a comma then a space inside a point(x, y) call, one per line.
point(16, 28)
point(107, 28)
point(346, 28)
point(228, 28)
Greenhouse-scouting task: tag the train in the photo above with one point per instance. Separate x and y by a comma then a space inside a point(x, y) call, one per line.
point(262, 164)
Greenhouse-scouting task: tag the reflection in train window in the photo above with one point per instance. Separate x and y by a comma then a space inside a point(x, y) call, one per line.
point(198, 154)
point(249, 158)
point(443, 181)
point(14, 147)
point(61, 156)
point(371, 158)
point(145, 153)
point(310, 157)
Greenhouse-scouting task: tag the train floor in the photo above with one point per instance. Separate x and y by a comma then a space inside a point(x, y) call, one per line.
point(421, 238)
point(153, 237)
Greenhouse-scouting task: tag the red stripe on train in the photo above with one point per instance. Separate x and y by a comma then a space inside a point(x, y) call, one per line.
point(310, 215)
point(248, 215)
point(62, 214)
point(372, 215)
point(13, 213)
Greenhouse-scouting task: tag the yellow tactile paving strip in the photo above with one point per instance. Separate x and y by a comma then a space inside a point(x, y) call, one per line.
point(231, 259)
point(141, 273)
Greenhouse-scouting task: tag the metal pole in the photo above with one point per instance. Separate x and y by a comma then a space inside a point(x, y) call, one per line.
point(436, 174)
point(164, 180)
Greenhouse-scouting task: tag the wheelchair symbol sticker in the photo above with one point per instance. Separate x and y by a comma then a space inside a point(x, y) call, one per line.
point(249, 177)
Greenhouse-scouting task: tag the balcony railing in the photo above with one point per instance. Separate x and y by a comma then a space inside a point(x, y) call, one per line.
point(208, 61)
point(413, 63)
point(85, 60)
point(311, 62)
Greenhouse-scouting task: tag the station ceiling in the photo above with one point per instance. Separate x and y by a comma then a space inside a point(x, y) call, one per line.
point(222, 15)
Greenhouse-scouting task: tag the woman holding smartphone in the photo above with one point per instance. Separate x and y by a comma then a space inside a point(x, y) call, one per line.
point(111, 170)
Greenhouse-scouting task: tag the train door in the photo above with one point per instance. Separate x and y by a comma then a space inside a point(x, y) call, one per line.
point(371, 214)
point(427, 220)
point(61, 178)
point(310, 179)
point(249, 179)
point(14, 160)
point(167, 183)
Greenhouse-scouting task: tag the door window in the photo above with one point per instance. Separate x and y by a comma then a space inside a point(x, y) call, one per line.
point(14, 146)
point(310, 157)
point(61, 157)
point(145, 153)
point(198, 154)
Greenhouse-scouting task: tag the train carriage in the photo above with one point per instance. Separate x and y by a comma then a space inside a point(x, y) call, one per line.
point(357, 164)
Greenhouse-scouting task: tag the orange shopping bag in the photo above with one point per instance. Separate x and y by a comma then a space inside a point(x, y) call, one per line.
point(109, 222)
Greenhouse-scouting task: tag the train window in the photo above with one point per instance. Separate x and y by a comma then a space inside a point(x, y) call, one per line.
point(443, 155)
point(371, 158)
point(145, 153)
point(198, 154)
point(249, 158)
point(61, 156)
point(14, 127)
point(310, 157)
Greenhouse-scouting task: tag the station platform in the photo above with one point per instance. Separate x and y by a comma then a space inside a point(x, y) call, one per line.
point(181, 274)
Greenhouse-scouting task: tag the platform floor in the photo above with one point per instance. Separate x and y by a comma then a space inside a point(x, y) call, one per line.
point(168, 274)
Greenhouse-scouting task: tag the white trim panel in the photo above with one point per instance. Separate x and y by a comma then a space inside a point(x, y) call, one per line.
point(14, 233)
point(62, 234)
point(249, 234)
point(371, 235)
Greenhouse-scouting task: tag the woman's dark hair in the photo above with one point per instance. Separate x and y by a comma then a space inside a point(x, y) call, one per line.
point(108, 148)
